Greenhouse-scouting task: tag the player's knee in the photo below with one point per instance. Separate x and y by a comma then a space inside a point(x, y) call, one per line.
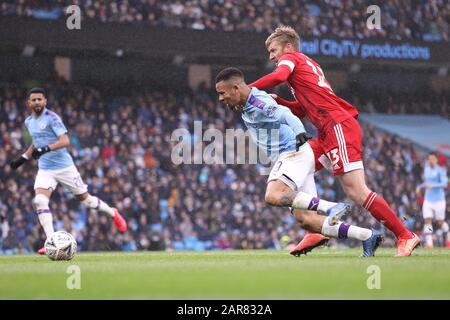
point(83, 197)
point(358, 194)
point(269, 198)
point(40, 201)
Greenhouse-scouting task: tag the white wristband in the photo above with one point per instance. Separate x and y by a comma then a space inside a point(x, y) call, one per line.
point(25, 156)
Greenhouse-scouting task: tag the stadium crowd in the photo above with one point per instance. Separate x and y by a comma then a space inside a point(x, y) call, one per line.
point(122, 147)
point(426, 20)
point(423, 101)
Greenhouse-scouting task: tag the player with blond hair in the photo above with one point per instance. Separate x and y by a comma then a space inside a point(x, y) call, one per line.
point(339, 142)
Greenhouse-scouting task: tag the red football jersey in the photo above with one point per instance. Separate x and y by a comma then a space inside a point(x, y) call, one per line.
point(310, 88)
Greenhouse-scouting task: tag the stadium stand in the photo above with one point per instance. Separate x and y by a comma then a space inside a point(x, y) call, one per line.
point(120, 145)
point(402, 20)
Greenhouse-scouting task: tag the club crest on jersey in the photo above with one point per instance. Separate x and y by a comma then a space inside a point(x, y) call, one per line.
point(42, 126)
point(256, 102)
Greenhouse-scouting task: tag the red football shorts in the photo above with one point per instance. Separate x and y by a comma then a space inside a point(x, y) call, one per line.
point(339, 148)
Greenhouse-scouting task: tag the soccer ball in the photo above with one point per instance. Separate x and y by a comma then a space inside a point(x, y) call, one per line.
point(61, 245)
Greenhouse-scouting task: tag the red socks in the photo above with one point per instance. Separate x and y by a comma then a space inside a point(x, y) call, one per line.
point(379, 208)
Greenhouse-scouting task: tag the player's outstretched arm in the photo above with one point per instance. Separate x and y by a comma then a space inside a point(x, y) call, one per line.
point(62, 142)
point(280, 75)
point(22, 159)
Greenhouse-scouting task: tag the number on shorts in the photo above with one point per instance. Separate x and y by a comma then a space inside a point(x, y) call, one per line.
point(333, 156)
point(78, 182)
point(277, 166)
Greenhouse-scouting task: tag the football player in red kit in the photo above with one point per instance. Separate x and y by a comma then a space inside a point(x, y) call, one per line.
point(340, 136)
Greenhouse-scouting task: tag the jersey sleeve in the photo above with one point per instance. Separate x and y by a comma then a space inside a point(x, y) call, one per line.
point(294, 106)
point(57, 125)
point(284, 116)
point(443, 179)
point(284, 68)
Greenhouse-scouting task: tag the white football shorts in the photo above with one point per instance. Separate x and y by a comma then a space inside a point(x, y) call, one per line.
point(296, 169)
point(69, 177)
point(434, 209)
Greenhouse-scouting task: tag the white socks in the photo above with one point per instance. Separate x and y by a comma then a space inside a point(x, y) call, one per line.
point(445, 230)
point(46, 220)
point(428, 234)
point(344, 231)
point(308, 202)
point(96, 203)
point(40, 202)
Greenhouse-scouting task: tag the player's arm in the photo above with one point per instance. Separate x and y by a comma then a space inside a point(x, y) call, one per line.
point(285, 116)
point(295, 106)
point(443, 180)
point(22, 159)
point(278, 76)
point(62, 142)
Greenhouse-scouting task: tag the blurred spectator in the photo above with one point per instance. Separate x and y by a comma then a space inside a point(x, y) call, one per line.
point(124, 154)
point(401, 20)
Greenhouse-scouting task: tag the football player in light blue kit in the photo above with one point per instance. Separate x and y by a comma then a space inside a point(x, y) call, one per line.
point(434, 205)
point(291, 181)
point(50, 142)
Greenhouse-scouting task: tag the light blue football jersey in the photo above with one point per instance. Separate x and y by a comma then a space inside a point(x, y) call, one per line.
point(45, 130)
point(437, 176)
point(272, 127)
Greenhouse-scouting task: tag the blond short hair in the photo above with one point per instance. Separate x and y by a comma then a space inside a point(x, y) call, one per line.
point(284, 35)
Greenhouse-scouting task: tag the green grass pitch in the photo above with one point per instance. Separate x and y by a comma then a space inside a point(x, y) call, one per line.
point(326, 273)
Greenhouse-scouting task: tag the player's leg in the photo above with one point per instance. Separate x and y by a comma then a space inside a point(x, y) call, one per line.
point(343, 145)
point(355, 187)
point(287, 179)
point(44, 184)
point(71, 178)
point(96, 203)
point(278, 193)
point(311, 239)
point(428, 214)
point(320, 224)
point(440, 208)
point(41, 204)
point(443, 225)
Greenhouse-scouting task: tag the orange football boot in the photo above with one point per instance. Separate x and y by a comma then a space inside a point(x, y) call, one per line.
point(309, 242)
point(119, 221)
point(406, 246)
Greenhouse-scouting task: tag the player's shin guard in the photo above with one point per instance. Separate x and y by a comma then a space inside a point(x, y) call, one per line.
point(40, 202)
point(97, 204)
point(380, 210)
point(306, 201)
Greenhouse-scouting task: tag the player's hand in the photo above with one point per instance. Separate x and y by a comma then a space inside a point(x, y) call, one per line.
point(17, 163)
point(428, 186)
point(38, 152)
point(301, 138)
point(274, 96)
